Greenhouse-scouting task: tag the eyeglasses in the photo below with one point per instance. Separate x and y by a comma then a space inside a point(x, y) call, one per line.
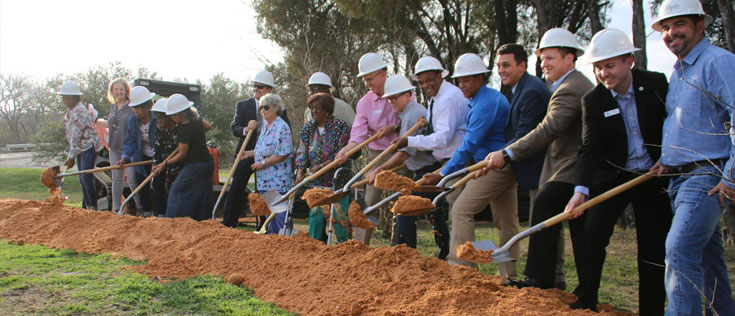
point(316, 108)
point(265, 107)
point(260, 86)
point(394, 98)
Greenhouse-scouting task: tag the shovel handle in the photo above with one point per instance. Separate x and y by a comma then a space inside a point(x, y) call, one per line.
point(232, 170)
point(599, 199)
point(463, 181)
point(391, 148)
point(422, 180)
point(337, 162)
point(113, 167)
point(142, 184)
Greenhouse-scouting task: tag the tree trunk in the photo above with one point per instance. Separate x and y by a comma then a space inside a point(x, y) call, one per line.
point(593, 12)
point(639, 35)
point(543, 24)
point(728, 22)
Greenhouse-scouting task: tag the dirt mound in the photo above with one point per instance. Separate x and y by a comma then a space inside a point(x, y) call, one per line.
point(298, 274)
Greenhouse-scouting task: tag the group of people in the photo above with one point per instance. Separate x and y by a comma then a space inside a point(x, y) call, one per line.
point(565, 140)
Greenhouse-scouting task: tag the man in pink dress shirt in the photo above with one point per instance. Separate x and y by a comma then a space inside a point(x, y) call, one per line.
point(373, 113)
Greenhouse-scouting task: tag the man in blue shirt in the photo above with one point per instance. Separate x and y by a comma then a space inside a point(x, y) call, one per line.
point(697, 148)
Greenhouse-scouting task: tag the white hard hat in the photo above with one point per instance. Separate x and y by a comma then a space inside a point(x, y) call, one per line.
point(469, 64)
point(139, 95)
point(160, 105)
point(320, 78)
point(265, 77)
point(672, 8)
point(559, 37)
point(370, 62)
point(396, 84)
point(70, 88)
point(608, 43)
point(177, 103)
point(427, 63)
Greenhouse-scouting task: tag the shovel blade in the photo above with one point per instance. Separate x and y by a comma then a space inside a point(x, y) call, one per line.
point(485, 245)
point(332, 199)
point(498, 256)
point(271, 197)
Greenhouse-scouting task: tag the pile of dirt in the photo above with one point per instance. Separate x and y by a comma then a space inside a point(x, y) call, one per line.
point(411, 205)
point(258, 206)
point(298, 274)
point(389, 180)
point(469, 253)
point(357, 217)
point(314, 195)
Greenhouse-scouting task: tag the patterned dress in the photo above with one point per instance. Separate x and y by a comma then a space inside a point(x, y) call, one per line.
point(316, 148)
point(165, 143)
point(274, 140)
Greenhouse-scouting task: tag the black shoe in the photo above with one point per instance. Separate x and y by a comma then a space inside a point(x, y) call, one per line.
point(526, 283)
point(582, 305)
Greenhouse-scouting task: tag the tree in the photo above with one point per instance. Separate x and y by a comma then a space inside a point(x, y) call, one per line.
point(722, 27)
point(639, 35)
point(728, 22)
point(219, 97)
point(14, 103)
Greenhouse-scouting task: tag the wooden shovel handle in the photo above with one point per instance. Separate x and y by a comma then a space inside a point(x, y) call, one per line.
point(599, 199)
point(477, 166)
point(423, 179)
point(464, 180)
point(113, 167)
point(337, 162)
point(237, 161)
point(391, 148)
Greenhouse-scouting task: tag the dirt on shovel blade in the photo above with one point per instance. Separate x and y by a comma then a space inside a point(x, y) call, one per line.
point(469, 253)
point(357, 218)
point(389, 180)
point(48, 179)
point(313, 195)
point(258, 206)
point(301, 275)
point(409, 204)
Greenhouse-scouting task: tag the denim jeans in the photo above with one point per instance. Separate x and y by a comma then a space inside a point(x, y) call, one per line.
point(694, 253)
point(86, 161)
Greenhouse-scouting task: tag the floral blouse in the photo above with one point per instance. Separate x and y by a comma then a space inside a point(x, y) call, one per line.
point(274, 140)
point(165, 143)
point(316, 148)
point(80, 133)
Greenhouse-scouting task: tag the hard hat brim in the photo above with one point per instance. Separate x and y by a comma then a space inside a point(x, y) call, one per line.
point(68, 93)
point(579, 51)
point(656, 26)
point(392, 93)
point(131, 104)
point(269, 84)
point(590, 60)
point(445, 73)
point(372, 70)
point(180, 110)
point(472, 73)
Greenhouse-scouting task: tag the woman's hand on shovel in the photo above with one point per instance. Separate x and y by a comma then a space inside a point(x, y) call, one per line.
point(69, 163)
point(577, 199)
point(157, 169)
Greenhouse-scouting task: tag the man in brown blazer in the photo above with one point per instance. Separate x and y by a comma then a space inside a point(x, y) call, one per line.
point(561, 132)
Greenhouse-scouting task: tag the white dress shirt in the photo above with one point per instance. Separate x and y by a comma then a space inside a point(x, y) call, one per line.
point(448, 120)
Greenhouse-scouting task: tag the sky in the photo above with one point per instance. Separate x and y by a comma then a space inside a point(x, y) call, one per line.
point(191, 39)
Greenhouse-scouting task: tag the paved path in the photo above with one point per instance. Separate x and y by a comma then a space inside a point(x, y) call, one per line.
point(21, 160)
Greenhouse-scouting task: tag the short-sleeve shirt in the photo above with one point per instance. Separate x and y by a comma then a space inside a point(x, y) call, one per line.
point(275, 140)
point(192, 133)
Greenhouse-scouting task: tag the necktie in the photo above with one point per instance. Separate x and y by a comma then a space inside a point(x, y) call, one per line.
point(430, 128)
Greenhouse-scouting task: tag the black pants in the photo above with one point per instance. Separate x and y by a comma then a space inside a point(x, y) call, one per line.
point(160, 194)
point(652, 209)
point(551, 200)
point(237, 196)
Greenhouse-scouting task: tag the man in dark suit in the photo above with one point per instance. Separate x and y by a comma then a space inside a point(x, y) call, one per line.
point(622, 125)
point(498, 188)
point(560, 132)
point(246, 111)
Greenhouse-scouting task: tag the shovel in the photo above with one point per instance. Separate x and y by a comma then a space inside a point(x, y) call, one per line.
point(341, 193)
point(232, 170)
point(503, 254)
point(264, 227)
point(276, 201)
point(140, 186)
point(395, 195)
point(59, 182)
point(461, 182)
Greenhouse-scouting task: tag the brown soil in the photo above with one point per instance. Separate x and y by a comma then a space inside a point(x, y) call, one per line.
point(389, 180)
point(314, 195)
point(357, 218)
point(48, 179)
point(301, 275)
point(411, 205)
point(257, 205)
point(469, 253)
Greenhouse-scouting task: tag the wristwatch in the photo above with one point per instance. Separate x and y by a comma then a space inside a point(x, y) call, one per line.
point(506, 156)
point(262, 162)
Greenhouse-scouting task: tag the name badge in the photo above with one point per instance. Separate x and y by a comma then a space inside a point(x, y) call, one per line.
point(612, 112)
point(378, 111)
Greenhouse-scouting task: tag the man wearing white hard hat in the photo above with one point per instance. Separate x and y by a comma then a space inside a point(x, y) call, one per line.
point(138, 144)
point(372, 113)
point(499, 187)
point(698, 149)
point(320, 82)
point(561, 132)
point(622, 124)
point(83, 141)
point(399, 92)
point(246, 111)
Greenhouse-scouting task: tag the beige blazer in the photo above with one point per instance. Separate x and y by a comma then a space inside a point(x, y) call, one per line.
point(560, 130)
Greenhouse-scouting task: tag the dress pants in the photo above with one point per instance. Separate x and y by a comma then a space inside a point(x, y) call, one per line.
point(499, 189)
point(653, 215)
point(237, 196)
point(551, 200)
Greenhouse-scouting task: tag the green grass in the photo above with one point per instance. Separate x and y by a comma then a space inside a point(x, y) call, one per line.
point(35, 280)
point(23, 183)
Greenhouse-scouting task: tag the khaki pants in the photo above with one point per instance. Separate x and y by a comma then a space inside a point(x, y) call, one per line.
point(499, 189)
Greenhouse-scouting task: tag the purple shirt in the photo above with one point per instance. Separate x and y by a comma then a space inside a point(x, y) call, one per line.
point(373, 112)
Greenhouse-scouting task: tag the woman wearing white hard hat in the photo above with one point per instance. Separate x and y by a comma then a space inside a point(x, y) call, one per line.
point(191, 193)
point(118, 93)
point(138, 144)
point(272, 154)
point(164, 144)
point(320, 82)
point(82, 138)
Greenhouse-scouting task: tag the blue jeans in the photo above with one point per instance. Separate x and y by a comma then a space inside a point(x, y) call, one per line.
point(85, 161)
point(694, 253)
